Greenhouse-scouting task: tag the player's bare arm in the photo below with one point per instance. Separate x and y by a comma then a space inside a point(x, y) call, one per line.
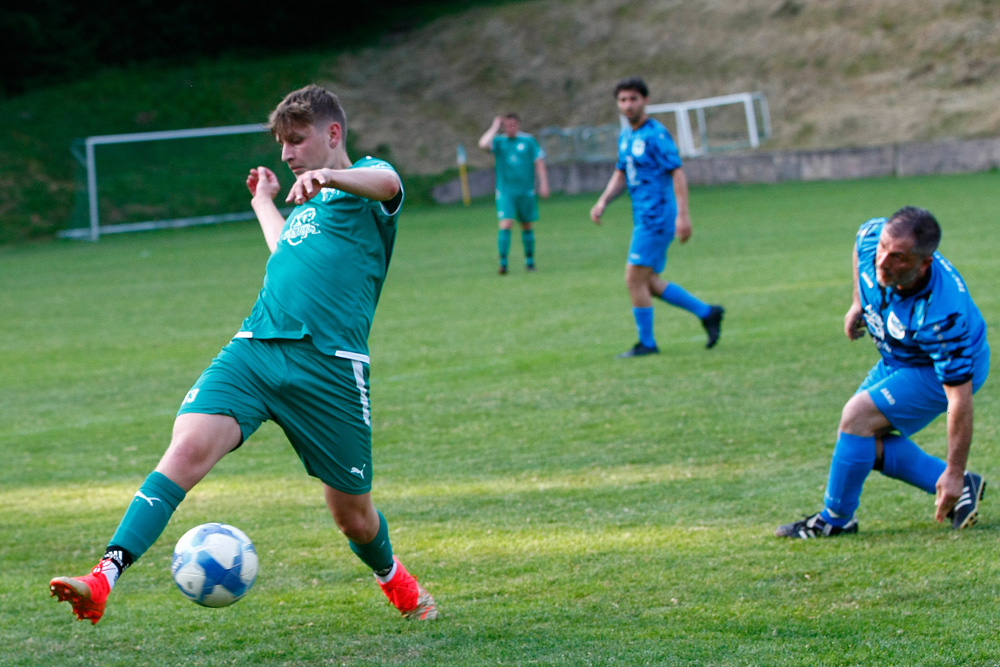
point(264, 186)
point(615, 186)
point(542, 178)
point(949, 485)
point(486, 141)
point(370, 183)
point(682, 227)
point(854, 324)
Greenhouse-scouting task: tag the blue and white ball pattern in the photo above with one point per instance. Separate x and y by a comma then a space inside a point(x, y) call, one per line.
point(214, 564)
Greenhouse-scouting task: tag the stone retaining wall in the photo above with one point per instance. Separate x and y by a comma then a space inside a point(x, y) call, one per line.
point(944, 157)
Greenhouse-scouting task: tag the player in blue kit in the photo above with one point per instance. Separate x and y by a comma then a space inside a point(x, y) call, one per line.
point(521, 178)
point(300, 358)
point(650, 166)
point(935, 356)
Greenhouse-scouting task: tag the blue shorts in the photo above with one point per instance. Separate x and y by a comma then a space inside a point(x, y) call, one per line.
point(649, 246)
point(320, 401)
point(911, 397)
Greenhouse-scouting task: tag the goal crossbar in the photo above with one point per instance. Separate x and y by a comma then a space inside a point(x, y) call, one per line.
point(89, 162)
point(687, 146)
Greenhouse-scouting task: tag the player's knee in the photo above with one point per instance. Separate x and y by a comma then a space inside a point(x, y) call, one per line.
point(355, 526)
point(189, 451)
point(197, 444)
point(862, 417)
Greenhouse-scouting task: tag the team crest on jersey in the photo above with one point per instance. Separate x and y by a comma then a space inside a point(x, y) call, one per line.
point(638, 147)
point(300, 226)
point(326, 194)
point(520, 146)
point(895, 327)
point(874, 322)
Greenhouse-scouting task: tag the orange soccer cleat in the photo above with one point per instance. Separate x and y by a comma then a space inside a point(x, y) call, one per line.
point(408, 596)
point(87, 594)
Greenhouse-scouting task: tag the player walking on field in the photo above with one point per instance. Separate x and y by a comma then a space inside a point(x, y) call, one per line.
point(300, 358)
point(521, 178)
point(935, 356)
point(650, 166)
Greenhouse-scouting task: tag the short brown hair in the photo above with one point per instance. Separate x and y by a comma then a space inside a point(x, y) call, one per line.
point(306, 106)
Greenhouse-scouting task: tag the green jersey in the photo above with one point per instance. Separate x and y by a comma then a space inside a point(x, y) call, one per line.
point(515, 163)
point(324, 278)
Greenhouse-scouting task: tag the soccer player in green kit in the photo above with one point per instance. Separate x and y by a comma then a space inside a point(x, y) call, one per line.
point(520, 167)
point(300, 358)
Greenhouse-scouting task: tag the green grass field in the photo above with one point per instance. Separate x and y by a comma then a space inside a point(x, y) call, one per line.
point(565, 507)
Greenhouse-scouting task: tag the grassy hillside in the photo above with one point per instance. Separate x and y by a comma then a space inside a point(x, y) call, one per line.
point(840, 72)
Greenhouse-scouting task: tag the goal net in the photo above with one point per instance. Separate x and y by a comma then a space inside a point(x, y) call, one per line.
point(158, 180)
point(725, 123)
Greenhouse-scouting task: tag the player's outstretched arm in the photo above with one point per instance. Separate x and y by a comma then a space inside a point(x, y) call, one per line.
point(486, 141)
point(951, 481)
point(367, 182)
point(614, 188)
point(264, 186)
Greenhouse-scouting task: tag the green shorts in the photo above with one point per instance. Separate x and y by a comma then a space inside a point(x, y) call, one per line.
point(522, 207)
point(320, 402)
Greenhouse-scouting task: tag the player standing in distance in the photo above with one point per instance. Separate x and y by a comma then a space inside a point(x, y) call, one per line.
point(521, 178)
point(935, 356)
point(650, 166)
point(300, 358)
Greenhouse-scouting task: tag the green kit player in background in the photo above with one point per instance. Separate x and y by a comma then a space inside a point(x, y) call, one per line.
point(521, 178)
point(300, 358)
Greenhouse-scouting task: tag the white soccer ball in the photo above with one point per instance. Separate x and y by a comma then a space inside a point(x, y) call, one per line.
point(214, 564)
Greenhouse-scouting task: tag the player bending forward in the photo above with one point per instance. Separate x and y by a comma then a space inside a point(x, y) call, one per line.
point(300, 358)
point(935, 357)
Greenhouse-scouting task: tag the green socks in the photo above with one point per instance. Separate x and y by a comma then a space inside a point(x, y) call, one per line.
point(377, 554)
point(503, 245)
point(146, 517)
point(528, 238)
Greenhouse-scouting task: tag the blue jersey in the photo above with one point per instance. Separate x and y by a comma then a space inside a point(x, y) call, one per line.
point(936, 324)
point(648, 155)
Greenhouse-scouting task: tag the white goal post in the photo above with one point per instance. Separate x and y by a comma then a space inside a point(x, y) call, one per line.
point(89, 162)
point(752, 104)
point(712, 124)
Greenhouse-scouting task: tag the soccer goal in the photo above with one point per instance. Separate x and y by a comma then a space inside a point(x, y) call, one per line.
point(724, 123)
point(160, 180)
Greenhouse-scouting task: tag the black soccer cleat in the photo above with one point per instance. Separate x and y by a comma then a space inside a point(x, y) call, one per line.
point(638, 350)
point(814, 526)
point(965, 513)
point(502, 270)
point(713, 325)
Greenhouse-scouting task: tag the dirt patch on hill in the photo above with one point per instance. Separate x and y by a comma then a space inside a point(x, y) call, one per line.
point(835, 72)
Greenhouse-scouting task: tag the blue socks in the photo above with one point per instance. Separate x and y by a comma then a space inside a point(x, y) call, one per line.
point(853, 459)
point(644, 325)
point(677, 296)
point(146, 517)
point(377, 554)
point(905, 461)
point(503, 245)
